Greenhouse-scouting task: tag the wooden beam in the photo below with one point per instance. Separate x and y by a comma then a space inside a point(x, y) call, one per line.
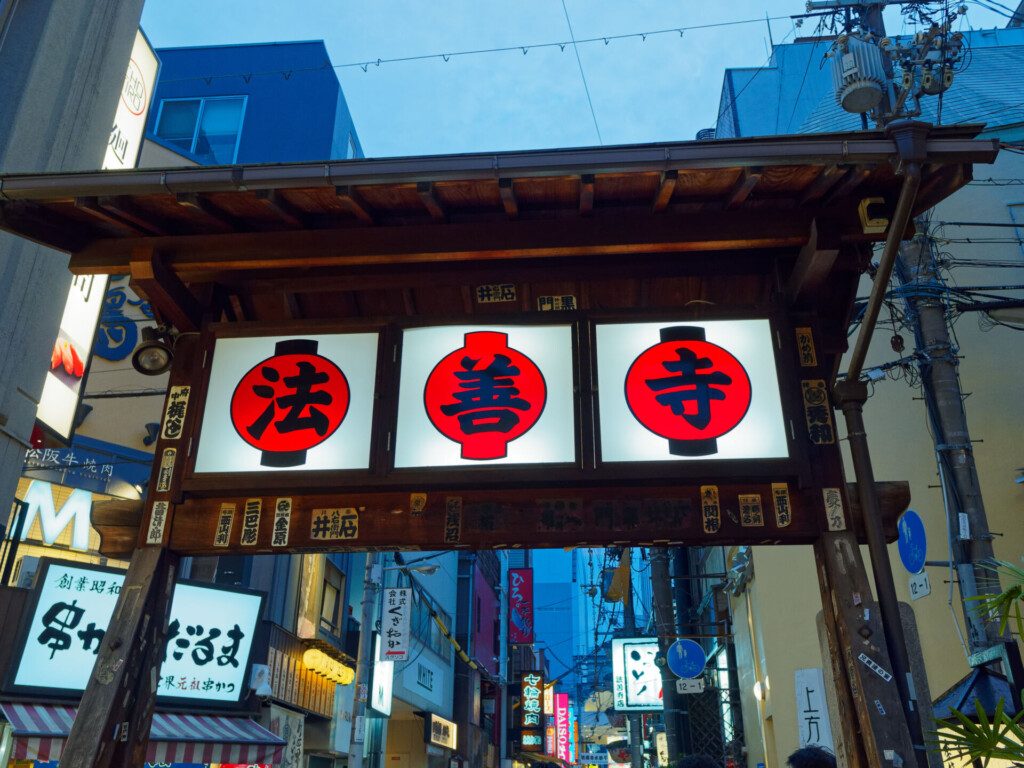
point(853, 179)
point(91, 206)
point(508, 197)
point(165, 290)
point(33, 223)
point(284, 210)
point(748, 179)
point(623, 234)
point(586, 194)
point(291, 305)
point(425, 189)
point(350, 197)
point(665, 190)
point(209, 213)
point(123, 207)
point(812, 267)
point(828, 178)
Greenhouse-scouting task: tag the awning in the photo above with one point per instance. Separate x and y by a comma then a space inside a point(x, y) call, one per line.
point(40, 731)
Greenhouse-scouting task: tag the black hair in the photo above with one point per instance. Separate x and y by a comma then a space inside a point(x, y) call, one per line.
point(812, 757)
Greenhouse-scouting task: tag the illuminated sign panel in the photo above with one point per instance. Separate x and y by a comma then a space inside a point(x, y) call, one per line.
point(636, 678)
point(382, 681)
point(132, 108)
point(480, 395)
point(520, 610)
point(209, 637)
point(531, 716)
point(562, 726)
point(440, 732)
point(289, 403)
point(685, 391)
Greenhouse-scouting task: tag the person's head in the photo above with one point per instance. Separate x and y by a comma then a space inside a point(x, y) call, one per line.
point(812, 757)
point(698, 761)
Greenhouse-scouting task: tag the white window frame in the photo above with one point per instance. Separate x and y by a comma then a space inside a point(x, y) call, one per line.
point(199, 119)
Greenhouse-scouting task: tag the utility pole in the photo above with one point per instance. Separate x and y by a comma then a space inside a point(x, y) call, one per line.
point(917, 272)
point(367, 616)
point(636, 737)
point(665, 623)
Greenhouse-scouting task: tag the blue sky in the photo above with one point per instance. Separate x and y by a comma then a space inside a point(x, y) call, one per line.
point(664, 88)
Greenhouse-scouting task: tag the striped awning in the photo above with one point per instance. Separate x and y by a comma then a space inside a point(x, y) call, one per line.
point(40, 731)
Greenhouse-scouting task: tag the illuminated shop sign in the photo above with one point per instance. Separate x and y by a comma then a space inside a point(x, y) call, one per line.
point(636, 678)
point(75, 513)
point(520, 612)
point(531, 706)
point(440, 732)
point(209, 637)
point(276, 403)
point(695, 390)
point(562, 726)
point(486, 395)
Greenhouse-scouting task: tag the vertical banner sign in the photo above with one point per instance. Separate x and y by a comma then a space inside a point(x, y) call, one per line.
point(636, 678)
point(471, 395)
point(532, 712)
point(562, 726)
point(811, 709)
point(693, 391)
point(395, 624)
point(133, 107)
point(520, 608)
point(281, 403)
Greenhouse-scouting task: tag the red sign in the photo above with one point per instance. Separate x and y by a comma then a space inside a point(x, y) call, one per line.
point(688, 390)
point(520, 610)
point(562, 736)
point(289, 403)
point(485, 395)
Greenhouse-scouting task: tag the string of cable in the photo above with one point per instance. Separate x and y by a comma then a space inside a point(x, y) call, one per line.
point(365, 65)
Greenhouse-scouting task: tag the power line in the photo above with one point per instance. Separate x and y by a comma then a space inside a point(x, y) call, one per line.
point(447, 56)
point(583, 75)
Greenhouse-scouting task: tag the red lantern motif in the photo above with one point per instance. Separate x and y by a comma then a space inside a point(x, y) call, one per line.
point(289, 403)
point(484, 395)
point(688, 390)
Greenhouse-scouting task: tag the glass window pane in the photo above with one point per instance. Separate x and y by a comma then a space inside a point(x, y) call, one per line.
point(218, 130)
point(178, 123)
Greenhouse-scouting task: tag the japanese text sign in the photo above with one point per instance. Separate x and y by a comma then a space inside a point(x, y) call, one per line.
point(636, 678)
point(531, 703)
point(209, 635)
point(520, 609)
point(699, 390)
point(285, 403)
point(394, 624)
point(486, 395)
point(811, 709)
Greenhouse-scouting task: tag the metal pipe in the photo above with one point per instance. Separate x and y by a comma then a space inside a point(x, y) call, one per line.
point(898, 225)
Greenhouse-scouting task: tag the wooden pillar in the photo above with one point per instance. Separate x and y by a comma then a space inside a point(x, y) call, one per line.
point(111, 729)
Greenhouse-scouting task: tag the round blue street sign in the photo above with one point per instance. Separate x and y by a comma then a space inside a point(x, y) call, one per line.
point(912, 542)
point(686, 658)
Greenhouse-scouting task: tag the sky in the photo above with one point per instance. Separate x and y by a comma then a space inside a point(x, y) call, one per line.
point(662, 87)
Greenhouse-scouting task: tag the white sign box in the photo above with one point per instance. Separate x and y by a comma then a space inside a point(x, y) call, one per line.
point(208, 646)
point(636, 678)
point(479, 395)
point(689, 390)
point(289, 403)
point(133, 107)
point(394, 624)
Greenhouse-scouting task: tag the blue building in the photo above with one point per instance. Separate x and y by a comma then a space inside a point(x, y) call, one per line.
point(267, 102)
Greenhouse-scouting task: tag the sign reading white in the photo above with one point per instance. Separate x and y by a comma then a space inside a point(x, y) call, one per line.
point(133, 107)
point(636, 678)
point(209, 636)
point(395, 624)
point(688, 391)
point(382, 681)
point(475, 395)
point(69, 359)
point(811, 709)
point(288, 403)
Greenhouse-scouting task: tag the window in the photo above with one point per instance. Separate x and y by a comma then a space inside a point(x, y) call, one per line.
point(208, 129)
point(332, 606)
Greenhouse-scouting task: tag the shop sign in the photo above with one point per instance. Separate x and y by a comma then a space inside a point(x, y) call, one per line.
point(440, 732)
point(75, 512)
point(520, 613)
point(395, 624)
point(132, 108)
point(382, 681)
point(700, 390)
point(562, 736)
point(69, 358)
point(91, 465)
point(812, 710)
point(636, 678)
point(550, 739)
point(208, 646)
point(474, 395)
point(283, 403)
point(531, 707)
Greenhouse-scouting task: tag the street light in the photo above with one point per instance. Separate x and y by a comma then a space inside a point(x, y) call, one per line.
point(154, 354)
